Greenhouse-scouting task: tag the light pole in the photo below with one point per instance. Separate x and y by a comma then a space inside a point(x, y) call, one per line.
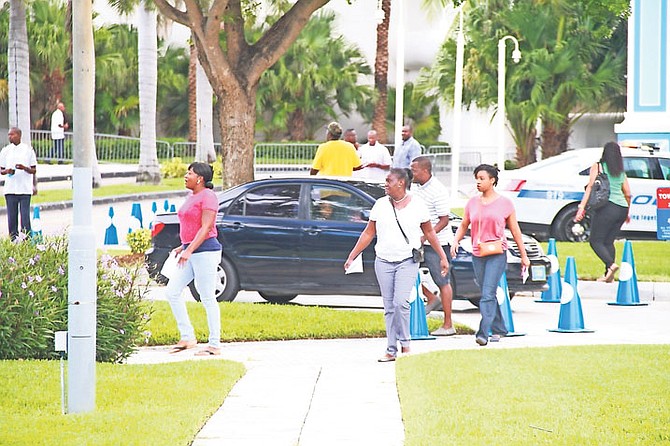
point(458, 106)
point(516, 57)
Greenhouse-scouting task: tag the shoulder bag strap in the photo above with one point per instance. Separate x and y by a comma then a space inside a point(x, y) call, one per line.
point(396, 220)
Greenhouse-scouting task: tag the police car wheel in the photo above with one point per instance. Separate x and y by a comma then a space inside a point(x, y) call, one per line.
point(565, 229)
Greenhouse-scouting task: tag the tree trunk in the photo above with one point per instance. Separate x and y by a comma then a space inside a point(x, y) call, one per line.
point(297, 127)
point(525, 154)
point(192, 94)
point(554, 139)
point(237, 116)
point(381, 73)
point(19, 70)
point(148, 170)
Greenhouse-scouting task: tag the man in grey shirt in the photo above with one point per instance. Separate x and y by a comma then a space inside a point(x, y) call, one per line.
point(410, 149)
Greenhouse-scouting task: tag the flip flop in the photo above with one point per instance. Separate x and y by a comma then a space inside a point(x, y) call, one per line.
point(209, 351)
point(183, 345)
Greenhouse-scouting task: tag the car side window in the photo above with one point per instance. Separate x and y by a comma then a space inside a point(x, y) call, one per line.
point(277, 201)
point(665, 167)
point(637, 168)
point(336, 204)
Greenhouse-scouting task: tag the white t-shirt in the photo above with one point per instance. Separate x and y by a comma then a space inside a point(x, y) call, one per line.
point(391, 245)
point(21, 182)
point(374, 154)
point(435, 196)
point(57, 119)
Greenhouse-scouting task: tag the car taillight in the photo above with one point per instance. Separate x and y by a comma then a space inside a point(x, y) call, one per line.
point(156, 229)
point(515, 185)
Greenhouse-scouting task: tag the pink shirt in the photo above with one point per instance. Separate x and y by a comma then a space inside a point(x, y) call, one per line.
point(190, 214)
point(488, 221)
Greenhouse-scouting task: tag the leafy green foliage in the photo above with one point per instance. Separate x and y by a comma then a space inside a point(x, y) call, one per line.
point(139, 240)
point(34, 294)
point(175, 168)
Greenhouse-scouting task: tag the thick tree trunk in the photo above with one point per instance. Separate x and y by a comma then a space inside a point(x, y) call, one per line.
point(526, 155)
point(19, 71)
point(237, 117)
point(381, 73)
point(554, 139)
point(297, 128)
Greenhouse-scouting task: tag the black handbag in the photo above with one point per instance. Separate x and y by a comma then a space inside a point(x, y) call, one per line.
point(600, 191)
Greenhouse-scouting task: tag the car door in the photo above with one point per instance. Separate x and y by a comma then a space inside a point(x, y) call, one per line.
point(336, 217)
point(261, 235)
point(644, 177)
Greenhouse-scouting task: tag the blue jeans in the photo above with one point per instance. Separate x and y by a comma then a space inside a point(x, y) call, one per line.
point(18, 203)
point(488, 271)
point(201, 267)
point(396, 280)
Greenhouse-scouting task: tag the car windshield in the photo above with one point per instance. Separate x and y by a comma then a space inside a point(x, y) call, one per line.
point(376, 191)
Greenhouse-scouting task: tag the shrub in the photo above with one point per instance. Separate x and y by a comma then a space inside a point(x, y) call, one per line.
point(175, 168)
point(33, 302)
point(139, 240)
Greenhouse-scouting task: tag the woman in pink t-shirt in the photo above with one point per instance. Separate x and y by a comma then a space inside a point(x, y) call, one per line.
point(198, 258)
point(487, 215)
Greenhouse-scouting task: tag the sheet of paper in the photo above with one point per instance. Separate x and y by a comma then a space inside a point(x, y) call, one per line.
point(170, 266)
point(524, 273)
point(356, 265)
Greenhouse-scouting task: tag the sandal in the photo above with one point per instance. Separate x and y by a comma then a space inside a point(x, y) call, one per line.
point(183, 345)
point(609, 277)
point(386, 358)
point(209, 351)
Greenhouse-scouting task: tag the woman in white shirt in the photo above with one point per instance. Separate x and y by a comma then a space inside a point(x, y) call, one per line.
point(398, 220)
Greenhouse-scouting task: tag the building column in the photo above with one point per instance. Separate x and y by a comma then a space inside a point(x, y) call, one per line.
point(647, 118)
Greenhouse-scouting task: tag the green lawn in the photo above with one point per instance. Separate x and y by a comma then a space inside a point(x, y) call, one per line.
point(590, 395)
point(163, 404)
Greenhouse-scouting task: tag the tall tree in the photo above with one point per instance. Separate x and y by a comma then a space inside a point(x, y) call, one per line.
point(234, 67)
point(19, 69)
point(569, 64)
point(318, 74)
point(381, 71)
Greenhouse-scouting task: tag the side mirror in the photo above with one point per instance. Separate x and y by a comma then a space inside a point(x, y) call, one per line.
point(365, 214)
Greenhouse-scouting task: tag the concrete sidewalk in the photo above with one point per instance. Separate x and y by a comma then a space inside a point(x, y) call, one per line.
point(333, 392)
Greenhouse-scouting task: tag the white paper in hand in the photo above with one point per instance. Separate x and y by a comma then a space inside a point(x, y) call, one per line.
point(524, 273)
point(356, 265)
point(170, 266)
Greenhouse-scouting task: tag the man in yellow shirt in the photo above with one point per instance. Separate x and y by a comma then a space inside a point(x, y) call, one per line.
point(335, 157)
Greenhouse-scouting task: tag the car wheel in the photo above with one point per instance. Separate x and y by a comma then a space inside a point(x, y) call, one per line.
point(278, 298)
point(226, 287)
point(565, 229)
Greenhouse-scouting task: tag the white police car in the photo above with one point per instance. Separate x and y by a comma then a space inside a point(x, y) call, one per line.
point(546, 193)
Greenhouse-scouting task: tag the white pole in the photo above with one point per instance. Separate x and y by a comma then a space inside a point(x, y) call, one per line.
point(501, 104)
point(82, 284)
point(399, 73)
point(458, 106)
point(516, 56)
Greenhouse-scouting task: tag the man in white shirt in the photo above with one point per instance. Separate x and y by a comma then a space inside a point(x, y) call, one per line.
point(375, 159)
point(18, 163)
point(434, 195)
point(58, 127)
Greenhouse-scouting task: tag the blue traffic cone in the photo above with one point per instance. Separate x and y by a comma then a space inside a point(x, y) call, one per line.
point(570, 319)
point(418, 326)
point(36, 224)
point(111, 236)
point(154, 209)
point(166, 205)
point(502, 293)
point(553, 294)
point(628, 293)
point(173, 208)
point(136, 212)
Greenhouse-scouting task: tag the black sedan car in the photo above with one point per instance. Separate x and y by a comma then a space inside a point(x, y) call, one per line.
point(288, 236)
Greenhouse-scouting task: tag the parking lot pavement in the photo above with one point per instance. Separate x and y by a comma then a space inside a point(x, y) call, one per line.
point(320, 392)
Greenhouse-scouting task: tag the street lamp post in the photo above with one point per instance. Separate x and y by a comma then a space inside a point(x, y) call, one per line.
point(458, 106)
point(516, 57)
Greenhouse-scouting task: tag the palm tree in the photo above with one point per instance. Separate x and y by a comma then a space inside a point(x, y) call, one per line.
point(317, 74)
point(18, 69)
point(381, 72)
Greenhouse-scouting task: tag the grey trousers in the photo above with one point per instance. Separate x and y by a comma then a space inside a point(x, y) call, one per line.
point(396, 280)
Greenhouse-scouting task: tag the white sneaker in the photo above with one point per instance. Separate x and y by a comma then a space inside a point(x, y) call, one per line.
point(444, 332)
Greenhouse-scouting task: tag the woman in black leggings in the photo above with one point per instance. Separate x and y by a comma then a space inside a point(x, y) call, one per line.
point(606, 221)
